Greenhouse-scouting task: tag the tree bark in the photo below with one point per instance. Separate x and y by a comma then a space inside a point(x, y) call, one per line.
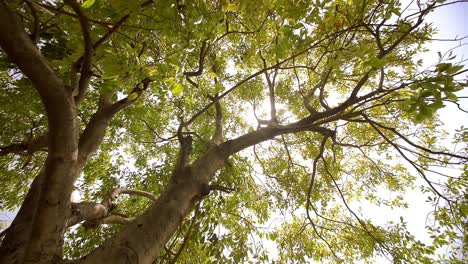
point(142, 240)
point(44, 227)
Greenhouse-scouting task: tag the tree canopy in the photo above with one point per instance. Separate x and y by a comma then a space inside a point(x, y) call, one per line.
point(188, 127)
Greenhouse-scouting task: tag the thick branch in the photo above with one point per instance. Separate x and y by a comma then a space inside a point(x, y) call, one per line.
point(94, 213)
point(96, 128)
point(25, 148)
point(115, 219)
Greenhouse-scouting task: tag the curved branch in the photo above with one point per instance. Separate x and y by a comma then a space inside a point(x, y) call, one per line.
point(218, 134)
point(420, 171)
point(364, 226)
point(201, 60)
point(309, 192)
point(84, 63)
point(413, 144)
point(25, 148)
point(138, 192)
point(117, 191)
point(96, 128)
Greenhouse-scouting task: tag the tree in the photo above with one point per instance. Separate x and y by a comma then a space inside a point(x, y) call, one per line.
point(157, 99)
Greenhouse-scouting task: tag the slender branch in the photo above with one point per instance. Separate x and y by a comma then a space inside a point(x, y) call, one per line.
point(201, 60)
point(218, 134)
point(271, 90)
point(37, 23)
point(186, 237)
point(413, 144)
point(221, 188)
point(364, 226)
point(85, 62)
point(309, 192)
point(245, 80)
point(407, 159)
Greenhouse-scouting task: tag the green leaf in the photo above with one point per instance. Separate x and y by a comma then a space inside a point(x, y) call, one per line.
point(441, 67)
point(451, 95)
point(454, 69)
point(88, 3)
point(132, 96)
point(230, 7)
point(212, 74)
point(177, 89)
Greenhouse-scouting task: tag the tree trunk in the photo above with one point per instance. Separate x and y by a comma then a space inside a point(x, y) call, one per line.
point(142, 240)
point(37, 235)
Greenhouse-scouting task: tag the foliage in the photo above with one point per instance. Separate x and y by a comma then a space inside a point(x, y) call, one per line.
point(309, 57)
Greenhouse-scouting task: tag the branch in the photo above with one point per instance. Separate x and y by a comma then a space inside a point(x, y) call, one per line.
point(36, 26)
point(115, 219)
point(201, 60)
point(413, 144)
point(56, 99)
point(183, 157)
point(321, 88)
point(22, 51)
point(218, 134)
point(107, 201)
point(271, 89)
point(395, 146)
point(221, 188)
point(309, 192)
point(186, 237)
point(363, 225)
point(138, 192)
point(84, 63)
point(245, 80)
point(235, 145)
point(25, 148)
point(96, 128)
point(111, 219)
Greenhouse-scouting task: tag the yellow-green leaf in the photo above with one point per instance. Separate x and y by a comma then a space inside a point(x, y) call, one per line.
point(132, 96)
point(212, 74)
point(230, 7)
point(177, 89)
point(88, 3)
point(151, 72)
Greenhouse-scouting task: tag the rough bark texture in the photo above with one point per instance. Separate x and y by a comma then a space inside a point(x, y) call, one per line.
point(55, 182)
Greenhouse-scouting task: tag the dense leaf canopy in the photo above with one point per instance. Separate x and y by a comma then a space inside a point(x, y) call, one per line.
point(328, 113)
